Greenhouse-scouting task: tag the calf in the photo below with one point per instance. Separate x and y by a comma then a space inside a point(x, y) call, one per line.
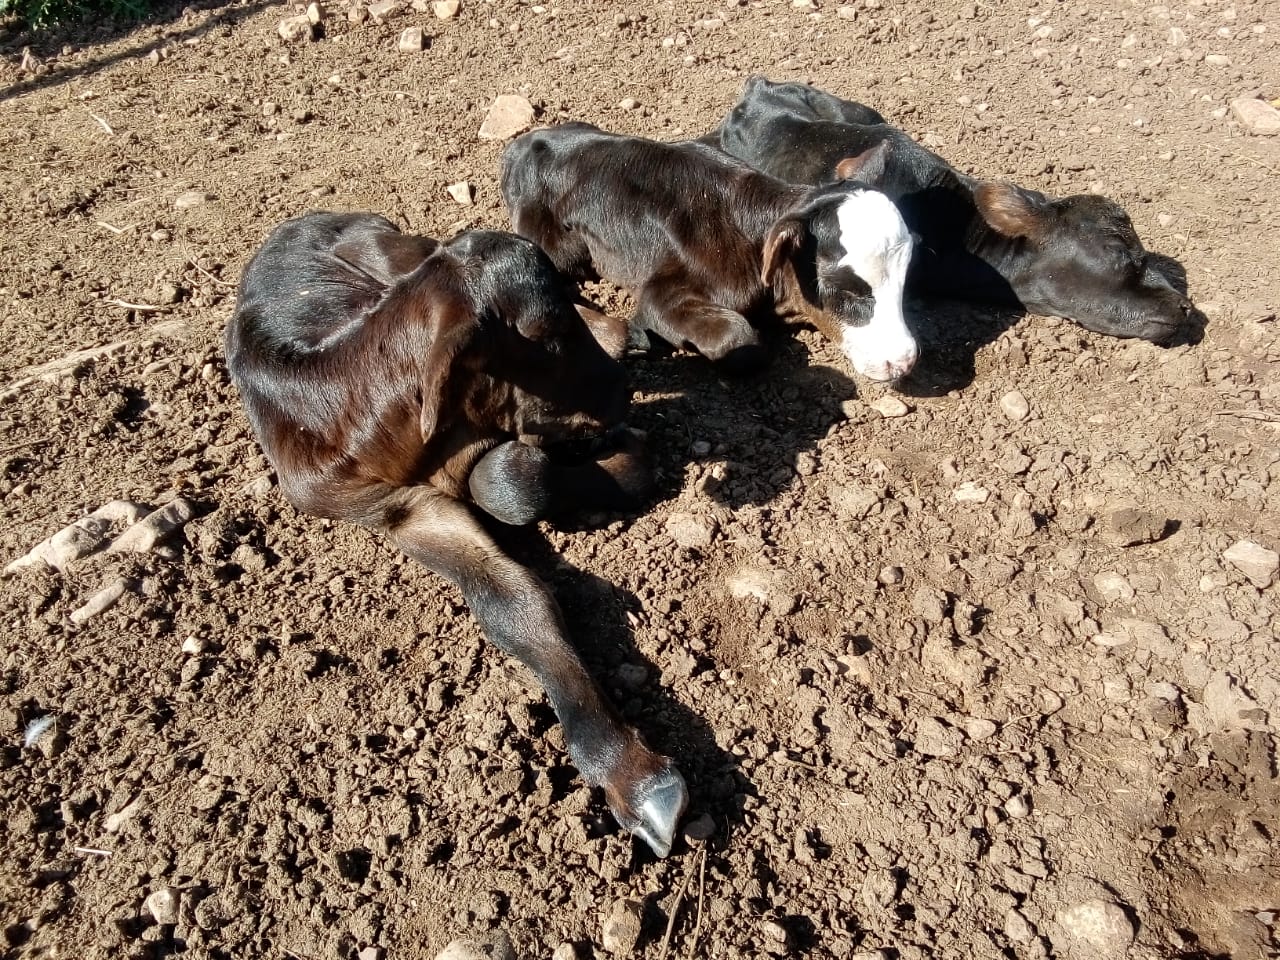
point(704, 241)
point(1077, 257)
point(399, 383)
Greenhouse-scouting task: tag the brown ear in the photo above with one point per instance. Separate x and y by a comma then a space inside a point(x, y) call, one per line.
point(866, 167)
point(609, 332)
point(1010, 210)
point(451, 333)
point(388, 256)
point(783, 239)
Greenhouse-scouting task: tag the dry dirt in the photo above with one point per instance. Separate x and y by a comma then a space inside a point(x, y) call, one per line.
point(935, 726)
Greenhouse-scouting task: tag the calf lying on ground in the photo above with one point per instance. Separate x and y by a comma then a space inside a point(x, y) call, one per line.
point(703, 241)
point(1077, 257)
point(390, 378)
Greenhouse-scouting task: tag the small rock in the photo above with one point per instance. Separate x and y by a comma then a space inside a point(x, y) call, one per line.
point(1100, 923)
point(1130, 527)
point(462, 193)
point(314, 13)
point(1217, 60)
point(194, 645)
point(1015, 405)
point(854, 502)
point(935, 739)
point(970, 491)
point(566, 951)
point(297, 29)
point(1255, 561)
point(980, 728)
point(464, 949)
point(775, 936)
point(1113, 587)
point(371, 953)
point(766, 584)
point(929, 604)
point(890, 407)
point(383, 9)
point(700, 828)
point(629, 103)
point(507, 116)
point(620, 931)
point(163, 905)
point(1257, 116)
point(691, 531)
point(445, 9)
point(412, 40)
point(194, 198)
point(1017, 806)
point(890, 576)
point(1164, 219)
point(358, 13)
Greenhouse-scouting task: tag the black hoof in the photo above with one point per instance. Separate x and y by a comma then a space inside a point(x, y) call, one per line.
point(658, 804)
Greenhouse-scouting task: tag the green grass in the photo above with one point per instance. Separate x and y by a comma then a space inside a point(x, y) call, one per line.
point(41, 14)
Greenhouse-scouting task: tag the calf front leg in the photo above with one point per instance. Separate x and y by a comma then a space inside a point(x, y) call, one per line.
point(685, 319)
point(518, 615)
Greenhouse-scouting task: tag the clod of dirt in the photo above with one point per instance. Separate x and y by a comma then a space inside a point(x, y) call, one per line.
point(1015, 405)
point(411, 40)
point(767, 584)
point(297, 29)
point(879, 888)
point(1018, 806)
point(1130, 527)
point(383, 9)
point(464, 949)
point(1017, 928)
point(507, 116)
point(163, 905)
point(620, 931)
point(1224, 707)
point(775, 937)
point(1255, 561)
point(146, 533)
point(1257, 116)
point(566, 951)
point(854, 501)
point(1100, 924)
point(970, 491)
point(890, 576)
point(935, 739)
point(691, 531)
point(890, 407)
point(195, 198)
point(1113, 587)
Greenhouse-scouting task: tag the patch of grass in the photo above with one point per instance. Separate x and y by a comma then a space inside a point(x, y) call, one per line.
point(42, 14)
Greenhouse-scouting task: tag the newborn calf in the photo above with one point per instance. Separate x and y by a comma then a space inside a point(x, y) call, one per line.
point(704, 241)
point(391, 379)
point(1077, 257)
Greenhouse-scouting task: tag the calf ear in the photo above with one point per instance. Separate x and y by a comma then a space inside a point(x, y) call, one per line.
point(867, 167)
point(609, 332)
point(1009, 210)
point(450, 334)
point(783, 240)
point(386, 257)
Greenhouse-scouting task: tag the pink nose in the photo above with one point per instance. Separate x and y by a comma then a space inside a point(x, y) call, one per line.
point(893, 368)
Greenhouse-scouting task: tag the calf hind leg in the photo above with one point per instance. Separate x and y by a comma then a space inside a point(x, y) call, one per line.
point(686, 320)
point(518, 615)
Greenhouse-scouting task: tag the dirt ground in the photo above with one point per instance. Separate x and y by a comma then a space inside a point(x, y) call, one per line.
point(951, 684)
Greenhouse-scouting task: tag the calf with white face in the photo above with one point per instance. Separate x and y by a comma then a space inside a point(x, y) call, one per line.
point(705, 242)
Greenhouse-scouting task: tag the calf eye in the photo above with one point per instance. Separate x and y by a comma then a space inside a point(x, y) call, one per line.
point(843, 280)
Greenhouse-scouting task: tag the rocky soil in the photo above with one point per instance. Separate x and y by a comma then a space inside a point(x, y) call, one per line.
point(981, 666)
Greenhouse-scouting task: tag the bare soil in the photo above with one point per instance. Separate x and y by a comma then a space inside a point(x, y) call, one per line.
point(930, 725)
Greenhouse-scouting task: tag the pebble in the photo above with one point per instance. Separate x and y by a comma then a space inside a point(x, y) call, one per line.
point(1258, 117)
point(970, 491)
point(1017, 806)
point(163, 905)
point(890, 407)
point(1131, 527)
point(103, 600)
point(1253, 560)
point(371, 953)
point(1217, 60)
point(383, 8)
point(935, 739)
point(464, 949)
point(629, 103)
point(411, 40)
point(297, 29)
point(194, 645)
point(314, 13)
point(1102, 924)
point(1113, 587)
point(508, 115)
point(980, 728)
point(890, 576)
point(462, 192)
point(445, 9)
point(566, 951)
point(690, 530)
point(620, 931)
point(1015, 405)
point(194, 198)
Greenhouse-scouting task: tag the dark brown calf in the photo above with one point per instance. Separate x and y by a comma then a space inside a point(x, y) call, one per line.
point(391, 379)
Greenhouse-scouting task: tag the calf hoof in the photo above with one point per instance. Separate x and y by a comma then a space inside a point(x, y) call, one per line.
point(511, 483)
point(653, 808)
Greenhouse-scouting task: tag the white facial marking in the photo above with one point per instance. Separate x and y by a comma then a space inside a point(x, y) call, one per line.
point(877, 248)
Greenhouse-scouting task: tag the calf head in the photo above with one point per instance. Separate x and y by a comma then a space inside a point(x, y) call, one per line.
point(804, 102)
point(1079, 257)
point(839, 258)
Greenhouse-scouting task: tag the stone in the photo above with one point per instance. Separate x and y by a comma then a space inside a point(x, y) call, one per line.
point(100, 602)
point(412, 40)
point(620, 931)
point(890, 407)
point(1101, 924)
point(566, 951)
point(691, 531)
point(1255, 561)
point(1131, 527)
point(1015, 406)
point(445, 9)
point(766, 584)
point(1017, 928)
point(1017, 806)
point(194, 198)
point(297, 29)
point(1217, 60)
point(970, 491)
point(383, 9)
point(935, 739)
point(890, 575)
point(314, 13)
point(147, 532)
point(463, 949)
point(1113, 587)
point(879, 888)
point(462, 192)
point(1257, 116)
point(194, 646)
point(929, 605)
point(508, 115)
point(854, 501)
point(980, 728)
point(163, 905)
point(629, 103)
